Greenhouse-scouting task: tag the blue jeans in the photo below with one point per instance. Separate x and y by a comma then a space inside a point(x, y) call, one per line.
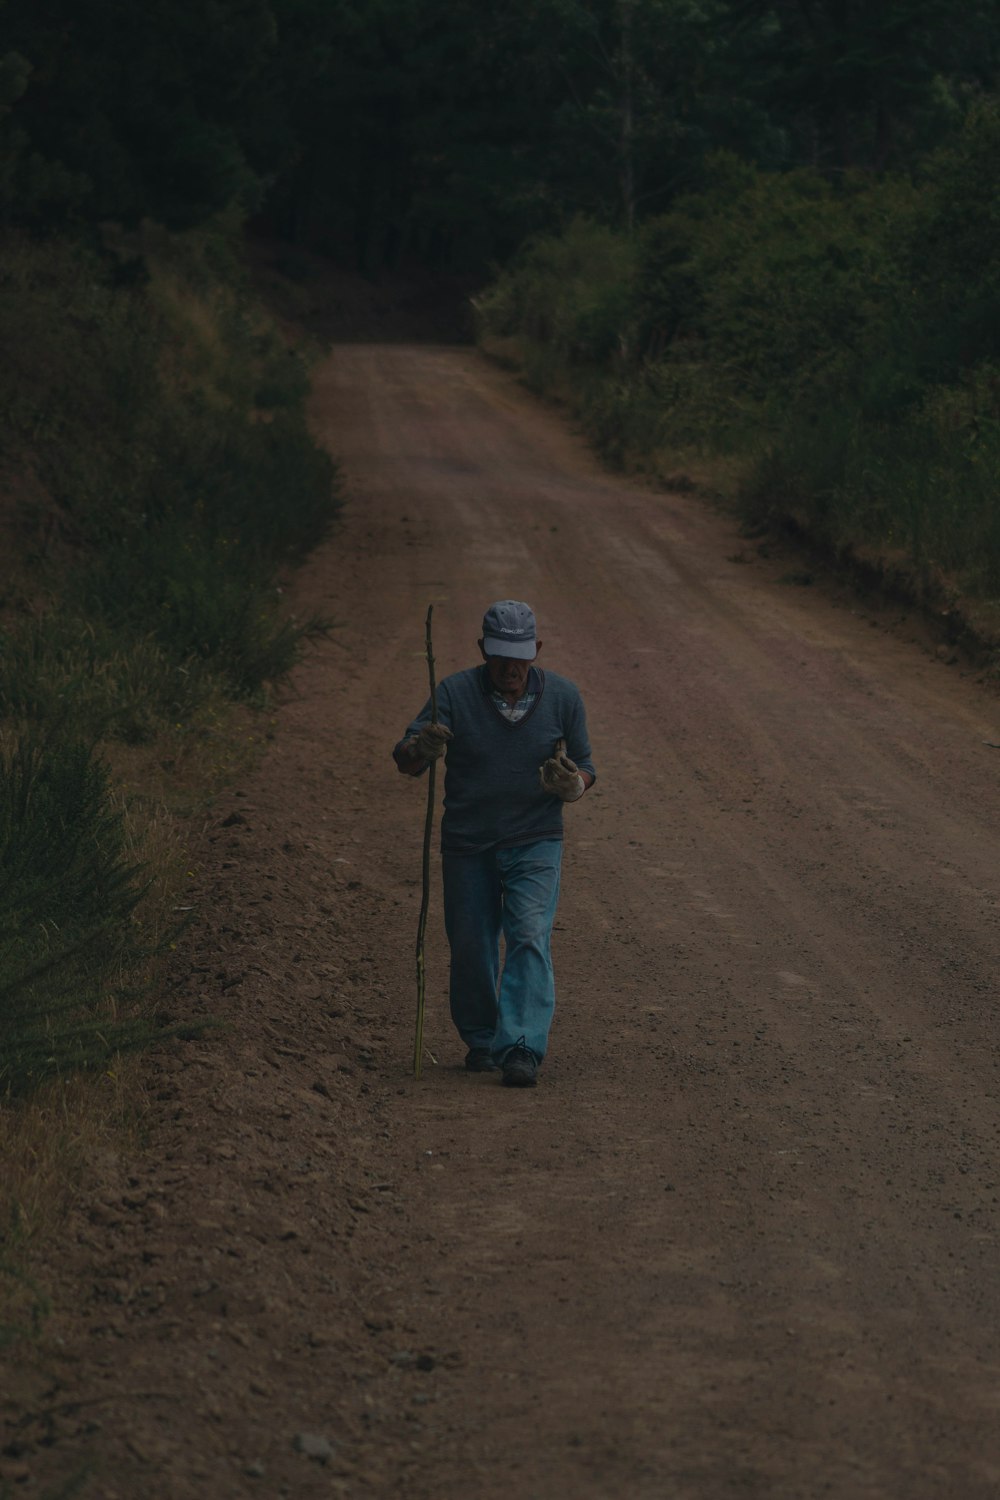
point(513, 891)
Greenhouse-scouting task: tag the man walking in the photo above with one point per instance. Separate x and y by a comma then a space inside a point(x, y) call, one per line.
point(517, 749)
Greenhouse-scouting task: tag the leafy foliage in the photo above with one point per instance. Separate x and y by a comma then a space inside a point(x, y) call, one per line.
point(134, 111)
point(572, 292)
point(852, 84)
point(447, 131)
point(138, 408)
point(777, 280)
point(844, 341)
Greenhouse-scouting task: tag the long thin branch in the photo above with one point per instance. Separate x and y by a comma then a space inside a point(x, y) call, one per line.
point(418, 1044)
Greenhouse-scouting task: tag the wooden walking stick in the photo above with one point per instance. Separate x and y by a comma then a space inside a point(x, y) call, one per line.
point(418, 1044)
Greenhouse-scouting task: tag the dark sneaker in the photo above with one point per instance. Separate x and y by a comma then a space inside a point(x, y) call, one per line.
point(479, 1060)
point(520, 1070)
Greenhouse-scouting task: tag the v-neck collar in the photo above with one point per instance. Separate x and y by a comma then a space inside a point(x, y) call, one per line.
point(535, 684)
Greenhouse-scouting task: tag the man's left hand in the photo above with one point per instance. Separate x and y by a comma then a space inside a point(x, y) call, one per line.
point(562, 779)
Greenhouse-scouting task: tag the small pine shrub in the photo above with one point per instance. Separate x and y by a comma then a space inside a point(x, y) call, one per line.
point(68, 893)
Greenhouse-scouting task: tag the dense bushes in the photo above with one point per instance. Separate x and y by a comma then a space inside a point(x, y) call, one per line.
point(842, 340)
point(573, 293)
point(153, 429)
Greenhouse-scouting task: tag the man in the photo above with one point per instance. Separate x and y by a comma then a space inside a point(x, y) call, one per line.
point(517, 749)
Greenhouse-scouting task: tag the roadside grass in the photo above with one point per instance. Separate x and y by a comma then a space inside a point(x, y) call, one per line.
point(154, 431)
point(50, 1144)
point(915, 499)
point(68, 667)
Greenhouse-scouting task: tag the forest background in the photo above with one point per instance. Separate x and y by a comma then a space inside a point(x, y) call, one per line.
point(751, 242)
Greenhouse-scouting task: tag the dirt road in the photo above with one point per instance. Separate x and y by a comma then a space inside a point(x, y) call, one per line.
point(742, 1239)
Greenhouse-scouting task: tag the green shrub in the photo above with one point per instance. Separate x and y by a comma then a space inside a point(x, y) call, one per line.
point(782, 283)
point(951, 251)
point(265, 483)
point(571, 292)
point(283, 383)
point(136, 407)
point(68, 893)
point(841, 342)
point(922, 486)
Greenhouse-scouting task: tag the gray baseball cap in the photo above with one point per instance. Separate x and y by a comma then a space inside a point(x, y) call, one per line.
point(509, 630)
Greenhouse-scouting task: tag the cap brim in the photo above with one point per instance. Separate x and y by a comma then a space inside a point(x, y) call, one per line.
point(519, 650)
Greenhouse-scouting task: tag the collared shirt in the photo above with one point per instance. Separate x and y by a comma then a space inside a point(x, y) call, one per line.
point(515, 712)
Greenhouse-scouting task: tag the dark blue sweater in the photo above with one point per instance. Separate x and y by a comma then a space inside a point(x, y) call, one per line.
point(492, 790)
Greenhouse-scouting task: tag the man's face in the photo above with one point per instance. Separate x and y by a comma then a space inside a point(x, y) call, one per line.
point(506, 673)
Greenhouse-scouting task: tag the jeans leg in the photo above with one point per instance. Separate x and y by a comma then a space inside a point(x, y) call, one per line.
point(472, 913)
point(530, 874)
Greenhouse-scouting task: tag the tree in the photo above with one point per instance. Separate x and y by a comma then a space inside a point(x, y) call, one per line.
point(140, 107)
point(852, 83)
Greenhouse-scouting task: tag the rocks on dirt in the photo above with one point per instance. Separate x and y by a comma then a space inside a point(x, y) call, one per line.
point(314, 1446)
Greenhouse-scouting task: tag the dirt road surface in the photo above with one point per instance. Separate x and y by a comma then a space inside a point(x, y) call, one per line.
point(742, 1239)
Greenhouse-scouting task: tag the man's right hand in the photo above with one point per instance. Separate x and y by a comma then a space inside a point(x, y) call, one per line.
point(430, 742)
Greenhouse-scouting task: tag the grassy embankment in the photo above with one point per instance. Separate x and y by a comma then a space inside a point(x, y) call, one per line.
point(826, 356)
point(156, 479)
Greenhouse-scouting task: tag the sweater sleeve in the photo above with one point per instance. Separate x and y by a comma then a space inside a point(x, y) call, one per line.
point(576, 736)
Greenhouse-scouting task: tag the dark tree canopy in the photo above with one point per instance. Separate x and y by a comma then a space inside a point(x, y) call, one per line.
point(447, 130)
